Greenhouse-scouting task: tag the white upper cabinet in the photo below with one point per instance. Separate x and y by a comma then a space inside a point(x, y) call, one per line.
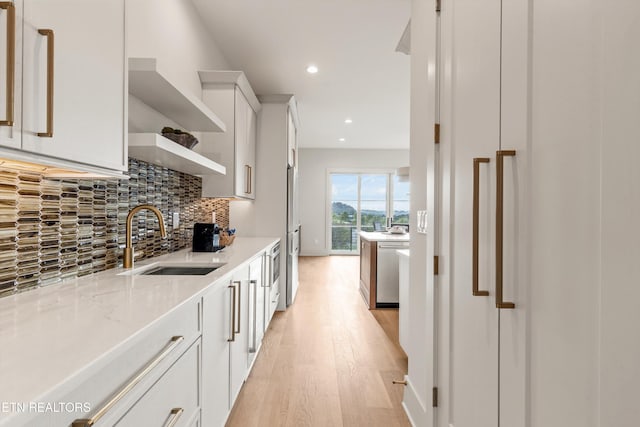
point(10, 73)
point(74, 81)
point(64, 86)
point(292, 141)
point(229, 94)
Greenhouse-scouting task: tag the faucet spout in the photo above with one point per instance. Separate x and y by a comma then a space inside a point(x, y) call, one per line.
point(127, 258)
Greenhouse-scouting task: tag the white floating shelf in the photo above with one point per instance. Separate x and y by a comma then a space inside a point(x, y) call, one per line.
point(156, 149)
point(149, 85)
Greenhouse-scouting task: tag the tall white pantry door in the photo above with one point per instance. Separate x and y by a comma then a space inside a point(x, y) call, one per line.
point(488, 101)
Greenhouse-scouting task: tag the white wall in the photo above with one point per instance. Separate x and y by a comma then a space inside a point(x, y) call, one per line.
point(173, 32)
point(314, 164)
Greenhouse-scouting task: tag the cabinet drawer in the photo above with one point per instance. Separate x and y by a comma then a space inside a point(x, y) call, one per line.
point(274, 299)
point(102, 380)
point(175, 397)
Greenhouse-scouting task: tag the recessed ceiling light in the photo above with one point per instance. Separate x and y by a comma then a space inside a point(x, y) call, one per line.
point(312, 69)
point(348, 121)
point(341, 139)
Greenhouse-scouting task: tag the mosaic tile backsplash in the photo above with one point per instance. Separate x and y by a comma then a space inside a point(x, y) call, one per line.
point(52, 230)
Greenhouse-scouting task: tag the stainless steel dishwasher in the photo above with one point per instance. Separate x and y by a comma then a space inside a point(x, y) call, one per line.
point(387, 280)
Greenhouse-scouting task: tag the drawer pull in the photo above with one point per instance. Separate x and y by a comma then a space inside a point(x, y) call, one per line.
point(50, 61)
point(233, 314)
point(176, 413)
point(11, 59)
point(239, 312)
point(253, 347)
point(88, 422)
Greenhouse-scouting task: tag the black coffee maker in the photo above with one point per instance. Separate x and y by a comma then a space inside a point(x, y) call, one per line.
point(206, 237)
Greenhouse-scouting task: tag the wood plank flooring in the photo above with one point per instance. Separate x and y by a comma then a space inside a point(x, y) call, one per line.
point(328, 360)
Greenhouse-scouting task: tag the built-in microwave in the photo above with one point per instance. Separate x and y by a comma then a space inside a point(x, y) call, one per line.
point(275, 263)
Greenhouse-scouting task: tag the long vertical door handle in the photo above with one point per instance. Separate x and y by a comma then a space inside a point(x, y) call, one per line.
point(50, 61)
point(247, 177)
point(500, 155)
point(239, 312)
point(476, 225)
point(11, 60)
point(233, 314)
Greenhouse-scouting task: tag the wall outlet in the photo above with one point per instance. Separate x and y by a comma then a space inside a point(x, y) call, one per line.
point(176, 219)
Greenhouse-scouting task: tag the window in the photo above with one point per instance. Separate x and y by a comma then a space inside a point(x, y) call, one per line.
point(364, 202)
point(400, 206)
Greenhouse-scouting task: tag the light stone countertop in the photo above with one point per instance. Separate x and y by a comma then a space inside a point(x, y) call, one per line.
point(380, 236)
point(54, 333)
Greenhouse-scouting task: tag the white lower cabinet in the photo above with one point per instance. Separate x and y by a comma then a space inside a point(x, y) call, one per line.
point(239, 344)
point(218, 307)
point(186, 369)
point(403, 300)
point(257, 296)
point(225, 346)
point(150, 374)
point(272, 302)
point(174, 400)
point(234, 322)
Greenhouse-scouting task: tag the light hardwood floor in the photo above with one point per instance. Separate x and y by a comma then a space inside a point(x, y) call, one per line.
point(328, 360)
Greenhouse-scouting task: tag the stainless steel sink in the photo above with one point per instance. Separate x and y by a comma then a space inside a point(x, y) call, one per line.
point(165, 270)
point(176, 268)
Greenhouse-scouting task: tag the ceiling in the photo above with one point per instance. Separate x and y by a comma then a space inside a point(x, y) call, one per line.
point(352, 42)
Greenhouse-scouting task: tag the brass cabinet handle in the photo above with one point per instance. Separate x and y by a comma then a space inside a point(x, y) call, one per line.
point(50, 60)
point(476, 225)
point(239, 313)
point(254, 338)
point(247, 177)
point(500, 155)
point(11, 59)
point(88, 422)
point(233, 314)
point(174, 417)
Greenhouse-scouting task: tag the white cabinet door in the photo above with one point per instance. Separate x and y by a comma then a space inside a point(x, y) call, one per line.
point(256, 307)
point(245, 142)
point(241, 153)
point(620, 343)
point(250, 155)
point(292, 148)
point(74, 96)
point(216, 333)
point(10, 74)
point(475, 100)
point(240, 345)
point(175, 398)
point(514, 119)
point(403, 312)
